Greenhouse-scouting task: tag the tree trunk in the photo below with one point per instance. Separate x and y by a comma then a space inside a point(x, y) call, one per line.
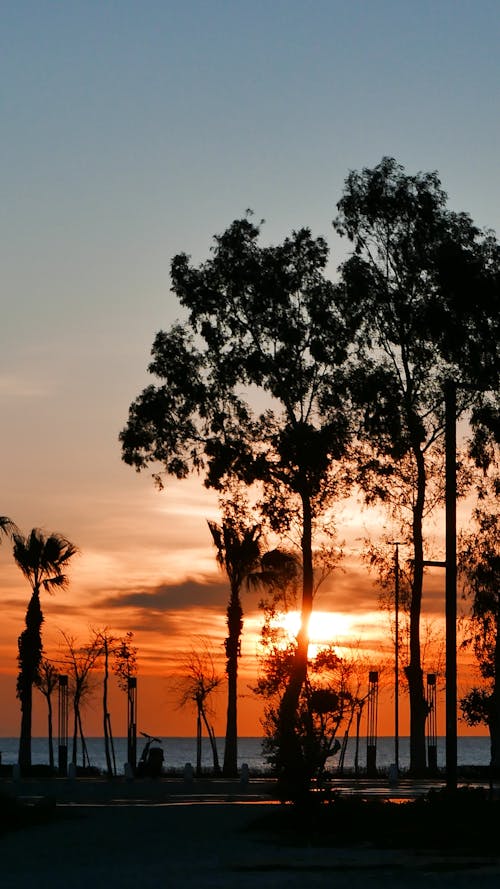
point(30, 653)
point(292, 767)
point(213, 742)
point(198, 743)
point(76, 714)
point(25, 737)
point(49, 730)
point(105, 714)
point(414, 673)
point(359, 713)
point(494, 721)
point(85, 755)
point(234, 623)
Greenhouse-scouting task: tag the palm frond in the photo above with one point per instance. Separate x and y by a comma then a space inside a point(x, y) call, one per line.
point(7, 526)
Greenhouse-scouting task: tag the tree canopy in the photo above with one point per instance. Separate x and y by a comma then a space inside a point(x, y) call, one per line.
point(252, 386)
point(423, 282)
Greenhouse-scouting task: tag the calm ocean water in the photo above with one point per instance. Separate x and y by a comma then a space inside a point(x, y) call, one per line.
point(179, 751)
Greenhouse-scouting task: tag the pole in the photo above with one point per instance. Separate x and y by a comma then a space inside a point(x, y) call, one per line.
point(451, 585)
point(395, 543)
point(396, 658)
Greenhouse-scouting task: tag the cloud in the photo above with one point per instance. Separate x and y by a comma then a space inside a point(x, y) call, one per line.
point(165, 597)
point(14, 387)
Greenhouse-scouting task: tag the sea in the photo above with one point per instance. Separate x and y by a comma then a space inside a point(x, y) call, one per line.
point(472, 751)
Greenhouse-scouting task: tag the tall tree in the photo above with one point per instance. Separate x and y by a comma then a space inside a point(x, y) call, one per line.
point(47, 682)
point(108, 643)
point(238, 552)
point(43, 561)
point(81, 661)
point(125, 670)
point(251, 387)
point(479, 561)
point(405, 283)
point(198, 683)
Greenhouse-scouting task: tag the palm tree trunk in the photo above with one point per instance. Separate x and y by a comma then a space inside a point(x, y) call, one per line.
point(30, 653)
point(24, 758)
point(235, 624)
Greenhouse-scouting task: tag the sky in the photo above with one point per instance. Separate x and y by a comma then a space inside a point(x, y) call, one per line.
point(133, 131)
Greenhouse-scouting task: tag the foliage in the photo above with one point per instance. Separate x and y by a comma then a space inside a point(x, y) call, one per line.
point(125, 660)
point(480, 569)
point(238, 554)
point(263, 330)
point(479, 564)
point(79, 662)
point(422, 285)
point(46, 683)
point(199, 680)
point(7, 526)
point(330, 696)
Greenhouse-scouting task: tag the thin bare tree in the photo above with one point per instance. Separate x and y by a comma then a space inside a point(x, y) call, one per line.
point(80, 661)
point(199, 680)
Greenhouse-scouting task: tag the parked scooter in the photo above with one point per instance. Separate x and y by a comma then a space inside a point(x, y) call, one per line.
point(150, 764)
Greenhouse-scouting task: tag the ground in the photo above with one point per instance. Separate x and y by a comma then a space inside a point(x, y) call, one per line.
point(196, 845)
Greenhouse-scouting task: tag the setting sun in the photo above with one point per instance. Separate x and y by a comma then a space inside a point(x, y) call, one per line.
point(325, 627)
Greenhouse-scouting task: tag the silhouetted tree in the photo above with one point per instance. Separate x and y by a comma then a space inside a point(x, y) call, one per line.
point(46, 683)
point(42, 560)
point(417, 283)
point(200, 679)
point(80, 662)
point(125, 670)
point(479, 562)
point(125, 660)
point(238, 552)
point(108, 643)
point(261, 320)
point(330, 698)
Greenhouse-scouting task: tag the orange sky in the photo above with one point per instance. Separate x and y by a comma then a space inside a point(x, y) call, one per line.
point(152, 570)
point(135, 135)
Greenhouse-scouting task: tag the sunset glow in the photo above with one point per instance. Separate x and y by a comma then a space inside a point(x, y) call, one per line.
point(325, 627)
point(133, 136)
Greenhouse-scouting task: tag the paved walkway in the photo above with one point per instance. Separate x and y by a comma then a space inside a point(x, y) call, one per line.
point(101, 790)
point(223, 846)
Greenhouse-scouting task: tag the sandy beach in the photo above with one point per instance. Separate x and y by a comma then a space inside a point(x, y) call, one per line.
point(208, 844)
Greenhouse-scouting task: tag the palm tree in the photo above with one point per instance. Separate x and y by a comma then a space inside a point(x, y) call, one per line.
point(238, 554)
point(42, 559)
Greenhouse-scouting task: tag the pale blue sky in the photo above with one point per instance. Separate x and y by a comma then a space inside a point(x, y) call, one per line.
point(134, 130)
